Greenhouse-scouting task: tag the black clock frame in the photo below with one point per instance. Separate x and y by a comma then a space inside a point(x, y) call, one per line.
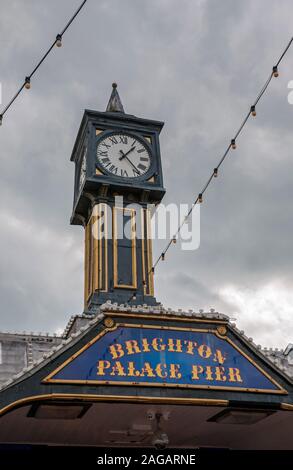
point(98, 184)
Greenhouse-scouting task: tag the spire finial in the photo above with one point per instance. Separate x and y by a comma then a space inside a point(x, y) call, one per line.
point(115, 104)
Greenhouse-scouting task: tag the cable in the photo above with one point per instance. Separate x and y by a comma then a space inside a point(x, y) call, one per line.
point(58, 43)
point(232, 145)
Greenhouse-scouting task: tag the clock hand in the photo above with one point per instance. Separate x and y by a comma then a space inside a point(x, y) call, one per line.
point(124, 154)
point(137, 171)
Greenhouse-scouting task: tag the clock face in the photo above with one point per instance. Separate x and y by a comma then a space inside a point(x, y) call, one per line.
point(82, 169)
point(123, 155)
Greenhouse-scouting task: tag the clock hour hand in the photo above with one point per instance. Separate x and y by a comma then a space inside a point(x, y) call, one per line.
point(123, 155)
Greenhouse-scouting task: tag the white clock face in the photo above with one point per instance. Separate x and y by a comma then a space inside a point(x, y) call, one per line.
point(123, 155)
point(82, 169)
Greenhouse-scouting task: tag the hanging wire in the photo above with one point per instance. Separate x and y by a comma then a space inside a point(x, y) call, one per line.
point(199, 198)
point(27, 81)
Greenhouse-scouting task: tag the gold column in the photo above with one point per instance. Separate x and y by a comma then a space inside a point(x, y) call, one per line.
point(96, 243)
point(102, 248)
point(150, 253)
point(87, 263)
point(147, 256)
point(96, 250)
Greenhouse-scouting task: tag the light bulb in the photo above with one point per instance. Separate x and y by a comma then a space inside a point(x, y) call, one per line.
point(134, 297)
point(275, 71)
point(153, 270)
point(27, 83)
point(253, 111)
point(58, 40)
point(163, 256)
point(200, 198)
point(215, 172)
point(233, 144)
point(174, 240)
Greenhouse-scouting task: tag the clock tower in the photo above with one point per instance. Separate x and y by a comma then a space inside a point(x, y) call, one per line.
point(118, 175)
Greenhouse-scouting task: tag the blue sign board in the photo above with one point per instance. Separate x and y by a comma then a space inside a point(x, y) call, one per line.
point(155, 356)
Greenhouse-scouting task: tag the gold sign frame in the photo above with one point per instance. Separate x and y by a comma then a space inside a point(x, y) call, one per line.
point(49, 378)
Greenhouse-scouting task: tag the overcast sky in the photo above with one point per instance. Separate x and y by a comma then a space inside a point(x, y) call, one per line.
point(195, 64)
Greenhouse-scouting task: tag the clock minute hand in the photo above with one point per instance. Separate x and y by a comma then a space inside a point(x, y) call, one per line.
point(125, 154)
point(137, 171)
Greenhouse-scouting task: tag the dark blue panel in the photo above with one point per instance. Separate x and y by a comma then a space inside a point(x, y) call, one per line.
point(154, 356)
point(124, 251)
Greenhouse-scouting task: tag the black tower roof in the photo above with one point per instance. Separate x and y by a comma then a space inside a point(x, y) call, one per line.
point(115, 105)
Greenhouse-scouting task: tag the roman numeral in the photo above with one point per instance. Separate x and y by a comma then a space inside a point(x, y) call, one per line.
point(123, 139)
point(144, 159)
point(124, 172)
point(113, 169)
point(113, 139)
point(102, 153)
point(141, 167)
point(141, 150)
point(135, 172)
point(105, 160)
point(106, 145)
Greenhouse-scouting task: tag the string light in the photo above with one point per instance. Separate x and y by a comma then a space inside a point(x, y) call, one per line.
point(27, 83)
point(134, 296)
point(200, 198)
point(58, 41)
point(253, 111)
point(174, 240)
point(275, 71)
point(233, 144)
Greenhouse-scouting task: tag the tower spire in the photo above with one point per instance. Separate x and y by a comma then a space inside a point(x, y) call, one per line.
point(115, 104)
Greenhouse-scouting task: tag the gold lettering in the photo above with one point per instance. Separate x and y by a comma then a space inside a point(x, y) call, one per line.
point(234, 375)
point(145, 345)
point(219, 357)
point(196, 371)
point(131, 369)
point(101, 366)
point(209, 373)
point(147, 369)
point(132, 346)
point(220, 374)
point(161, 371)
point(118, 369)
point(190, 346)
point(204, 351)
point(116, 350)
point(157, 344)
point(174, 371)
point(174, 346)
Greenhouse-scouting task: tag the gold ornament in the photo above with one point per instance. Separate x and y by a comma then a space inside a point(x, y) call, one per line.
point(109, 322)
point(222, 330)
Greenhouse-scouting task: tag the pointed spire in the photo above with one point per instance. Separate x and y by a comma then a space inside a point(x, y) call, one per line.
point(115, 105)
